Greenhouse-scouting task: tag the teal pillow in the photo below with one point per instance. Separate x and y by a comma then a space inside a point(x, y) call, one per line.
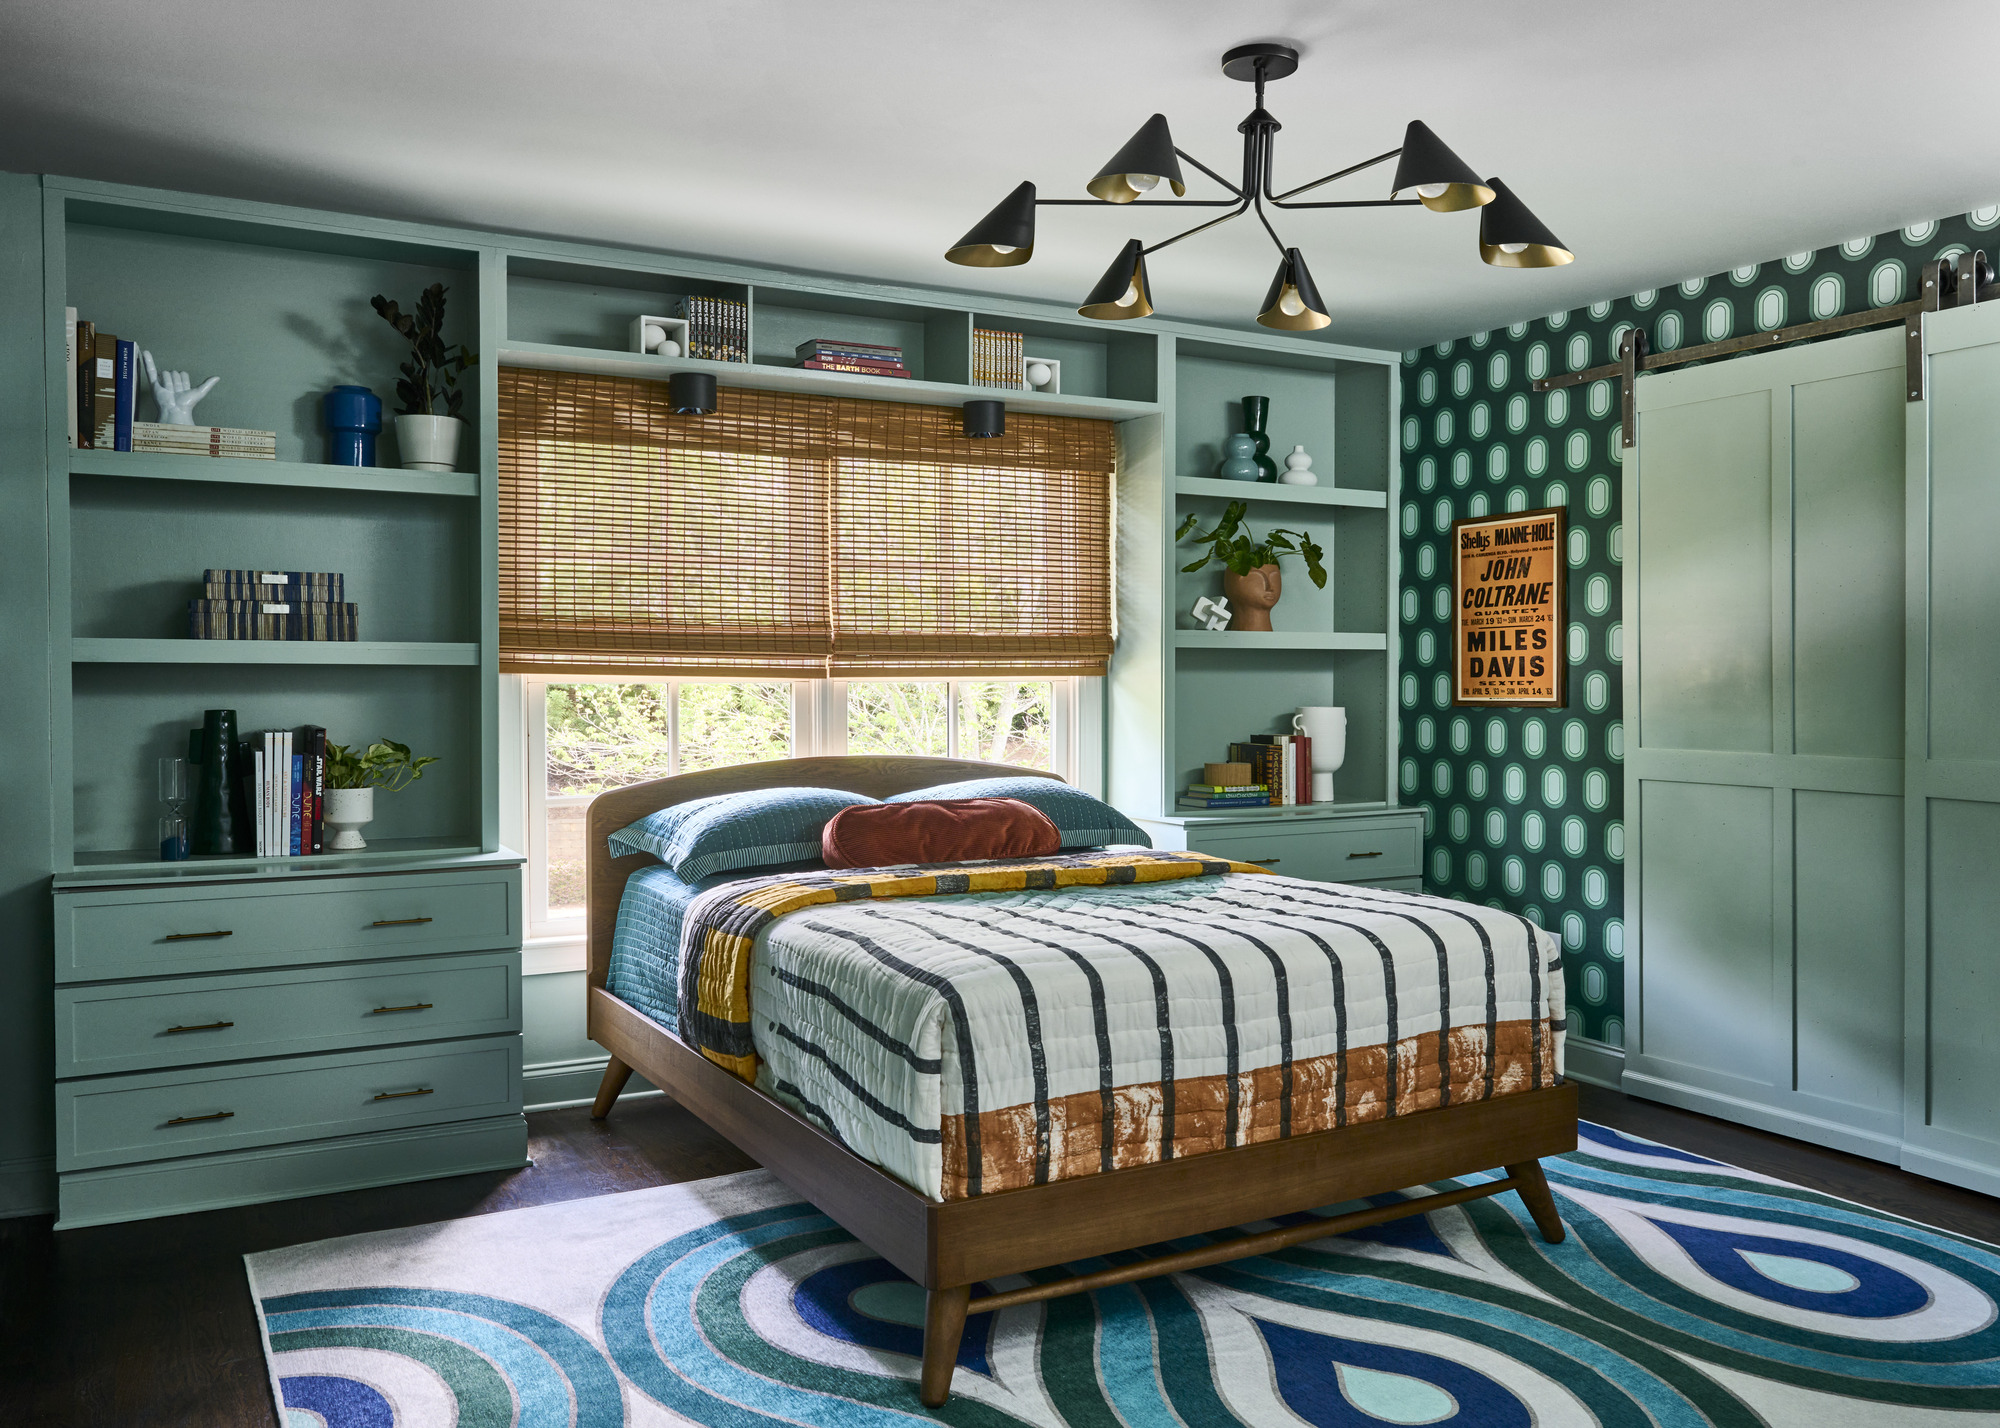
point(735, 830)
point(1083, 821)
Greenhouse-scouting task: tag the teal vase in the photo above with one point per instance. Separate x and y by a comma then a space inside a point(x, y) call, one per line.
point(1239, 459)
point(1256, 421)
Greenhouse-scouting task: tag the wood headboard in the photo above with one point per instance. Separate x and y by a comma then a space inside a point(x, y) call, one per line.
point(878, 776)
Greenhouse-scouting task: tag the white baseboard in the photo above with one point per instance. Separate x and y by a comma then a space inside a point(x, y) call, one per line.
point(552, 1085)
point(27, 1186)
point(1595, 1063)
point(1799, 1125)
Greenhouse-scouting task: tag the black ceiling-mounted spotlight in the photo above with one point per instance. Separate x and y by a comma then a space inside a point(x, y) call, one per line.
point(1438, 179)
point(1512, 237)
point(985, 418)
point(1123, 292)
point(692, 393)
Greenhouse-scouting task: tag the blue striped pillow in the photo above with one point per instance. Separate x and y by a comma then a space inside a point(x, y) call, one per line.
point(1083, 821)
point(735, 830)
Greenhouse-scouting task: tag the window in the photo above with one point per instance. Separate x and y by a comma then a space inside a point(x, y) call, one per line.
point(586, 736)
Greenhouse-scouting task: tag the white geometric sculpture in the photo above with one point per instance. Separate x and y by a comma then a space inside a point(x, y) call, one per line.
point(175, 393)
point(1212, 613)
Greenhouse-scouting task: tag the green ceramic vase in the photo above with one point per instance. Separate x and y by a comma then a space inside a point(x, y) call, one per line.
point(1256, 421)
point(219, 824)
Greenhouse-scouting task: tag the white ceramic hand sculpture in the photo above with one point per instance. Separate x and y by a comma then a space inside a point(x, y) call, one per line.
point(175, 393)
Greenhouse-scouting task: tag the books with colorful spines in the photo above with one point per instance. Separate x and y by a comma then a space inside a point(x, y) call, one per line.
point(295, 584)
point(820, 345)
point(104, 392)
point(859, 369)
point(204, 440)
point(312, 836)
point(85, 378)
point(272, 620)
point(1259, 802)
point(1217, 790)
point(295, 806)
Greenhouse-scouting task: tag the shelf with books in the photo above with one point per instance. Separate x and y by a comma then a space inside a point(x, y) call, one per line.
point(1277, 640)
point(556, 303)
point(1266, 492)
point(264, 652)
point(234, 471)
point(933, 341)
point(1098, 359)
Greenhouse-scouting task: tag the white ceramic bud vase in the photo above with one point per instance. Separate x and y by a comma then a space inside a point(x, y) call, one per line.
point(1298, 469)
point(1326, 726)
point(346, 810)
point(428, 443)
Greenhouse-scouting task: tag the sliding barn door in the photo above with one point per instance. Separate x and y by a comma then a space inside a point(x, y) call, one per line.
point(1764, 640)
point(1952, 1073)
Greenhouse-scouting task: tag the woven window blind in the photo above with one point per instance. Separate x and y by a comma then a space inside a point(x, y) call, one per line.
point(795, 535)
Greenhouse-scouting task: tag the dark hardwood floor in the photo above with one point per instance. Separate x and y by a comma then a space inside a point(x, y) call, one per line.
point(149, 1325)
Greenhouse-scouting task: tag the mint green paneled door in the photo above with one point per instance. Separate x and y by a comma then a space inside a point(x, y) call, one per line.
point(1952, 1070)
point(1764, 584)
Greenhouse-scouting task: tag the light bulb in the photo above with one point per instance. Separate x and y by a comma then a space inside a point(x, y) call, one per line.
point(1513, 247)
point(1145, 183)
point(1003, 248)
point(1431, 190)
point(1290, 303)
point(1131, 294)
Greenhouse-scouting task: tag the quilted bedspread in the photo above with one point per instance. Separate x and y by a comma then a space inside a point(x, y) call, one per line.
point(982, 1040)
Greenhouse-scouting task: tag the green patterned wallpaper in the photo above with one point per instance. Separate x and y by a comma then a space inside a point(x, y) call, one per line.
point(1524, 808)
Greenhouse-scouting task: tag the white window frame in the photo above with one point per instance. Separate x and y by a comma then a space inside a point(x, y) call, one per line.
point(819, 727)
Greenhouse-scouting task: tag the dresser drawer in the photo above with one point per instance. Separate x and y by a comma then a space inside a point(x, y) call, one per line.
point(154, 931)
point(134, 1026)
point(1343, 852)
point(122, 1120)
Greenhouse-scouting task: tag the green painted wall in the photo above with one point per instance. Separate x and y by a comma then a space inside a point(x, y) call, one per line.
point(1524, 808)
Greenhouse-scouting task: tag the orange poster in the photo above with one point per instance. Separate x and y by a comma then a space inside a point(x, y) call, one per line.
point(1509, 597)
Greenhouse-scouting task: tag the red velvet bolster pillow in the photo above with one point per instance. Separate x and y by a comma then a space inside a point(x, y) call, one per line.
point(945, 830)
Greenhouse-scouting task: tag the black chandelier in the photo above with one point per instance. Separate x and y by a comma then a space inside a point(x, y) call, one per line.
point(1509, 235)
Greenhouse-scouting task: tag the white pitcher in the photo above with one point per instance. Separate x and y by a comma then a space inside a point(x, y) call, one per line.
point(1326, 726)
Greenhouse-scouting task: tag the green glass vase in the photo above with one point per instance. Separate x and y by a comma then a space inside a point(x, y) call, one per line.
point(1256, 422)
point(220, 824)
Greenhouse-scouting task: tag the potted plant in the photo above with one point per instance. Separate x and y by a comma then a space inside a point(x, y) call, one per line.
point(1251, 580)
point(428, 422)
point(351, 781)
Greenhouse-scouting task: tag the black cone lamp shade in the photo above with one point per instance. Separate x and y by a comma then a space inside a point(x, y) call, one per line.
point(1293, 304)
point(985, 419)
point(1441, 179)
point(1123, 291)
point(1004, 238)
point(1512, 237)
point(692, 393)
point(1139, 167)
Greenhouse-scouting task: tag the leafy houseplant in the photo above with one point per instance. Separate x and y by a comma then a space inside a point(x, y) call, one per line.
point(428, 437)
point(1251, 579)
point(352, 778)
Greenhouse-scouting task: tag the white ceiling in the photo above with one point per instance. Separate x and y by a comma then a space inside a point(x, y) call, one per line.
point(1659, 140)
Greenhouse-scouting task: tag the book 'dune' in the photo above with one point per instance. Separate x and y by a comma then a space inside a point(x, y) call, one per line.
point(273, 605)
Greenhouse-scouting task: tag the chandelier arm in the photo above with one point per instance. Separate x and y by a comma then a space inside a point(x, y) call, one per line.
point(1198, 228)
point(1264, 182)
point(1210, 172)
point(1350, 169)
point(1138, 203)
point(1356, 203)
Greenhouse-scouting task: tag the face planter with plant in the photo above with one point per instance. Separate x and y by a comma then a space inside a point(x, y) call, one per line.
point(1251, 580)
point(428, 421)
point(351, 780)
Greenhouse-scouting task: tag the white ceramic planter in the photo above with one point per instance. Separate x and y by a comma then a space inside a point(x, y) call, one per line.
point(428, 443)
point(1326, 726)
point(346, 810)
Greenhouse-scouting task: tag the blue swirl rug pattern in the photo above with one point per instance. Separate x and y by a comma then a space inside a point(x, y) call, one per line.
point(1689, 1293)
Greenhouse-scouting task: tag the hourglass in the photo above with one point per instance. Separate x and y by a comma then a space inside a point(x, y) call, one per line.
point(173, 825)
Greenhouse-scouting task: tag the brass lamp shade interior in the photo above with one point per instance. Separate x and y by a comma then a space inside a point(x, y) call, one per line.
point(1293, 304)
point(1512, 237)
point(1004, 238)
point(1147, 160)
point(1123, 292)
point(1443, 181)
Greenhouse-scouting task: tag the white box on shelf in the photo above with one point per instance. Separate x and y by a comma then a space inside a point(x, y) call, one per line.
point(675, 328)
point(1054, 384)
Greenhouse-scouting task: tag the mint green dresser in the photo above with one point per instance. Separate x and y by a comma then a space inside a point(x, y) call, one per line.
point(1379, 847)
point(228, 1038)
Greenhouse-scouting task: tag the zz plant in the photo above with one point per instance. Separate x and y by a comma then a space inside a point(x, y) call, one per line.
point(430, 377)
point(1232, 544)
point(384, 764)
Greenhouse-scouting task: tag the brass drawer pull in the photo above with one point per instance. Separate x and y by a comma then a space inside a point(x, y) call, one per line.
point(400, 922)
point(400, 1095)
point(1265, 862)
point(413, 1006)
point(1375, 854)
point(194, 936)
point(195, 1120)
point(205, 1026)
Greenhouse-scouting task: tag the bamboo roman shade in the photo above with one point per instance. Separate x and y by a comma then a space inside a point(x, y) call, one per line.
point(794, 536)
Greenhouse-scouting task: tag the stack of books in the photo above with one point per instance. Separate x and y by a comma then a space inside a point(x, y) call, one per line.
point(285, 790)
point(834, 354)
point(205, 440)
point(718, 328)
point(1279, 769)
point(1216, 795)
point(996, 359)
point(273, 605)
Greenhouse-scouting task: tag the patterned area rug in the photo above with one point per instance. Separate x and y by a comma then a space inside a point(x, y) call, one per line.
point(1688, 1293)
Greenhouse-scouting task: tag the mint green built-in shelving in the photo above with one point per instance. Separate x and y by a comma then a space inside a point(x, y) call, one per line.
point(270, 652)
point(1263, 491)
point(158, 466)
point(1247, 640)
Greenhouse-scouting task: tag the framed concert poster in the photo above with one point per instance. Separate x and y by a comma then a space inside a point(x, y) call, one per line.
point(1509, 604)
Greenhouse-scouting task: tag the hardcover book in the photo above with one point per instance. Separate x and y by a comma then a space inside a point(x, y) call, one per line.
point(104, 392)
point(86, 384)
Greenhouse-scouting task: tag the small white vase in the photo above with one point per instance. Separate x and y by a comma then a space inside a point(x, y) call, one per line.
point(428, 443)
point(1326, 726)
point(1298, 469)
point(346, 810)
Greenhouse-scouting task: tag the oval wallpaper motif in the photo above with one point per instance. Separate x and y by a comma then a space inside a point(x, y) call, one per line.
point(1574, 884)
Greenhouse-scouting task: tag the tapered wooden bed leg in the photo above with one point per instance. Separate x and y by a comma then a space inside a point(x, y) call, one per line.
point(944, 1327)
point(1534, 1190)
point(616, 1074)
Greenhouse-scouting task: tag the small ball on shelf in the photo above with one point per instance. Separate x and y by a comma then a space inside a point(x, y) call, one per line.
point(652, 337)
point(667, 348)
point(1039, 374)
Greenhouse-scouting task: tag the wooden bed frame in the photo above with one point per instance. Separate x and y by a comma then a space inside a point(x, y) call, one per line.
point(950, 1246)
